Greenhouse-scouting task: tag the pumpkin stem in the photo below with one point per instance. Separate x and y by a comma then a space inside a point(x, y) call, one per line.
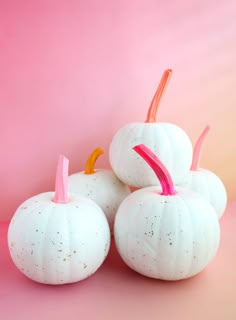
point(198, 149)
point(61, 185)
point(158, 167)
point(152, 111)
point(89, 167)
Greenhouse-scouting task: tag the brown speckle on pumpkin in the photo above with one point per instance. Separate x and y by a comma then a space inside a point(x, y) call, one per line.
point(85, 265)
point(74, 251)
point(170, 243)
point(64, 259)
point(59, 250)
point(32, 251)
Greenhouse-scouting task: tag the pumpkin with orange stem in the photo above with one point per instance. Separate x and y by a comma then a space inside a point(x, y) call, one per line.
point(168, 141)
point(100, 185)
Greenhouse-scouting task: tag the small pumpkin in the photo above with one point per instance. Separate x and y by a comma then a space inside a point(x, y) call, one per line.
point(100, 185)
point(165, 232)
point(168, 141)
point(58, 238)
point(205, 182)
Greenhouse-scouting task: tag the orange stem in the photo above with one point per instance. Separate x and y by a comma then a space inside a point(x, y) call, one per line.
point(152, 111)
point(90, 164)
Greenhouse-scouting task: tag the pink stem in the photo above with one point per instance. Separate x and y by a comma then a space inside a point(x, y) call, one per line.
point(61, 186)
point(158, 167)
point(198, 149)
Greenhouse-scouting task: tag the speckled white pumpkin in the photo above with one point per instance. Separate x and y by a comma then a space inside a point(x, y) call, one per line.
point(103, 187)
point(168, 141)
point(205, 182)
point(169, 237)
point(58, 243)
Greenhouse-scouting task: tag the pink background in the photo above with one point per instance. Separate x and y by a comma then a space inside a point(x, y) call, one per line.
point(72, 72)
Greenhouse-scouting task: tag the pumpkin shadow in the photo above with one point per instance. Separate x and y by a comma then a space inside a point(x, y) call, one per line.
point(116, 267)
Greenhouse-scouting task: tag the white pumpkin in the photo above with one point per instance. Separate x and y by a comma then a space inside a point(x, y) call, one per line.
point(205, 182)
point(168, 141)
point(163, 232)
point(55, 238)
point(100, 185)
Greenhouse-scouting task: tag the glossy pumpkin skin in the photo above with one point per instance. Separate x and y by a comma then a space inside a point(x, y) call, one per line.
point(169, 142)
point(103, 187)
point(166, 237)
point(56, 243)
point(209, 186)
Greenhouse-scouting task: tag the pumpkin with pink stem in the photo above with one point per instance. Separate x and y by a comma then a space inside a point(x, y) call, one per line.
point(100, 185)
point(165, 232)
point(168, 141)
point(205, 182)
point(58, 238)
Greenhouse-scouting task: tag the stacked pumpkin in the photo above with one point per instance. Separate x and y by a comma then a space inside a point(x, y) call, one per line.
point(168, 229)
point(163, 230)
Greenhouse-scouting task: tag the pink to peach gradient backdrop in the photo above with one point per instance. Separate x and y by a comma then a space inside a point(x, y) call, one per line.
point(73, 72)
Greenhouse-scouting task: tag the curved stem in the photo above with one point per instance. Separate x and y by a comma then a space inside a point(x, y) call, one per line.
point(198, 149)
point(152, 111)
point(89, 167)
point(159, 169)
point(61, 185)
